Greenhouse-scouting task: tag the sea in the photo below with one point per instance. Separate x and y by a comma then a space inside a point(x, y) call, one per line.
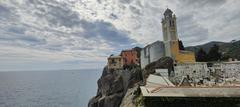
point(62, 88)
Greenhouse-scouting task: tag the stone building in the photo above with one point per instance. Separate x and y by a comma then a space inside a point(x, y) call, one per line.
point(151, 53)
point(170, 37)
point(115, 62)
point(194, 70)
point(130, 57)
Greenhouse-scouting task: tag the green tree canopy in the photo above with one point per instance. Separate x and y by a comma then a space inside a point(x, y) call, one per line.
point(214, 54)
point(180, 44)
point(201, 56)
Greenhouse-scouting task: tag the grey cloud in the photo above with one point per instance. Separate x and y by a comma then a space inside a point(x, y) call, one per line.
point(21, 39)
point(135, 10)
point(200, 3)
point(125, 1)
point(99, 1)
point(94, 30)
point(83, 48)
point(63, 17)
point(4, 12)
point(188, 28)
point(7, 14)
point(54, 25)
point(58, 14)
point(16, 30)
point(106, 31)
point(113, 16)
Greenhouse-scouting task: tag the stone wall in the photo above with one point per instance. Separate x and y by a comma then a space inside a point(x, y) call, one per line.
point(193, 70)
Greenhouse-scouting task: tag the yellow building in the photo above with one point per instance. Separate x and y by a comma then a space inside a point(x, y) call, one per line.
point(169, 28)
point(115, 62)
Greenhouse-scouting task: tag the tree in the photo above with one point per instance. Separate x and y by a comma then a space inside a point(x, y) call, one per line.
point(180, 44)
point(201, 56)
point(214, 54)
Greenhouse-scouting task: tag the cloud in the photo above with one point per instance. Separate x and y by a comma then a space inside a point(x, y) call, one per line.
point(126, 1)
point(61, 32)
point(200, 3)
point(113, 16)
point(52, 32)
point(190, 31)
point(4, 11)
point(105, 31)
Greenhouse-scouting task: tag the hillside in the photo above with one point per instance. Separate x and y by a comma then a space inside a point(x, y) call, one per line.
point(228, 49)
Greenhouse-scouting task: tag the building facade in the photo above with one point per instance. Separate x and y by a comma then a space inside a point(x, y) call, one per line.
point(115, 62)
point(170, 37)
point(130, 57)
point(151, 53)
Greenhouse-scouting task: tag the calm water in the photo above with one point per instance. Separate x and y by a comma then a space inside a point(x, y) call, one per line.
point(48, 88)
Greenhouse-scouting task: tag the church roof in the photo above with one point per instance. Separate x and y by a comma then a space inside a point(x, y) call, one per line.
point(168, 11)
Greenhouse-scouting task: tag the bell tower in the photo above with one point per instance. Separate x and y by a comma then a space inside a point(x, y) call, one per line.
point(170, 38)
point(169, 26)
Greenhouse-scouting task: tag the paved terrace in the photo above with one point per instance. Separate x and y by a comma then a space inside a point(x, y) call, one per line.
point(190, 91)
point(158, 86)
point(159, 91)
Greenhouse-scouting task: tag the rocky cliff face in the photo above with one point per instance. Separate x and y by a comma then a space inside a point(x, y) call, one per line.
point(120, 88)
point(113, 85)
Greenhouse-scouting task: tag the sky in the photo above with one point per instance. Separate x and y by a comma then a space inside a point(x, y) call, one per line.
point(81, 34)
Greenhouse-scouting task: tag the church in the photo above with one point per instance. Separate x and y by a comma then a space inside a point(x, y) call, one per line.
point(169, 46)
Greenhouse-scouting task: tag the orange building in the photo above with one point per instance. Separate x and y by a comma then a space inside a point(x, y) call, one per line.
point(129, 57)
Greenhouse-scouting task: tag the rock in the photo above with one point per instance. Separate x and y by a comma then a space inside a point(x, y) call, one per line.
point(113, 85)
point(162, 63)
point(130, 97)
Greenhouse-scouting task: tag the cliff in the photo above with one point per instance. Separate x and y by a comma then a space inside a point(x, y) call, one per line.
point(113, 86)
point(120, 88)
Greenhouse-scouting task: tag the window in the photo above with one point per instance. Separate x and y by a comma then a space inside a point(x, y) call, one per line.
point(132, 61)
point(171, 23)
